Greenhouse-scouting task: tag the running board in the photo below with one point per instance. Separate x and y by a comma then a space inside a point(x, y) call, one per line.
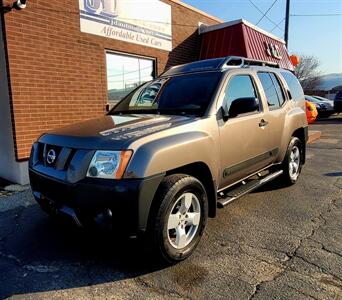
point(246, 188)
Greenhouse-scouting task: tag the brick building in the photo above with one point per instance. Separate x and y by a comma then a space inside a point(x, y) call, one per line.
point(59, 66)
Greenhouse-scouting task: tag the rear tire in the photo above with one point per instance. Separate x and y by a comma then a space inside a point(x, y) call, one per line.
point(293, 161)
point(179, 218)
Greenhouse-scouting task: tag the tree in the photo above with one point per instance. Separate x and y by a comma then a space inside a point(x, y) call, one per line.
point(307, 72)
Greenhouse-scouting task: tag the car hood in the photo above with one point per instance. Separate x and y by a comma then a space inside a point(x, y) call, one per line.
point(111, 132)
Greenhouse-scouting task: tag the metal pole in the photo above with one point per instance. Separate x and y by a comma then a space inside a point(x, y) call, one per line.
point(287, 23)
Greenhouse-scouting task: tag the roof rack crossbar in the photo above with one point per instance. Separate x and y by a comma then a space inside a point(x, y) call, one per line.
point(239, 62)
point(216, 64)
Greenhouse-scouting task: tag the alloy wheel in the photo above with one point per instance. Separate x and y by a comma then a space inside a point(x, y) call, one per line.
point(183, 221)
point(294, 163)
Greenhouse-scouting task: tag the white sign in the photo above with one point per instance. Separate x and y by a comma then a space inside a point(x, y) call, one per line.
point(143, 22)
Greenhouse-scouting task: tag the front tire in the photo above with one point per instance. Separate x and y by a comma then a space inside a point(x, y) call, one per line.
point(293, 161)
point(180, 216)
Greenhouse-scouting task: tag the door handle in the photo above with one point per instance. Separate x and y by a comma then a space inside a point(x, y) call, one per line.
point(263, 123)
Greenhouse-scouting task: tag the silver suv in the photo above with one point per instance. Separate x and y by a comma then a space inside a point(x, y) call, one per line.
point(165, 157)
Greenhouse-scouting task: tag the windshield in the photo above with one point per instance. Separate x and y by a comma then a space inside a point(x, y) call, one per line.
point(184, 94)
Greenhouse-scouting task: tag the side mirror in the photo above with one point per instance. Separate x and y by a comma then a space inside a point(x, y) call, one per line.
point(243, 105)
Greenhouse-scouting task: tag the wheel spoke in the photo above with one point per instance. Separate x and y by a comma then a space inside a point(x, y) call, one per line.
point(193, 218)
point(296, 154)
point(186, 202)
point(180, 237)
point(292, 156)
point(173, 221)
point(291, 168)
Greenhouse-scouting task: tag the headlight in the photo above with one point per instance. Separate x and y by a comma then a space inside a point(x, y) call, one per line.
point(109, 164)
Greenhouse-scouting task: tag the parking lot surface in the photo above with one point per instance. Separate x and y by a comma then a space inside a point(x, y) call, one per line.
point(276, 243)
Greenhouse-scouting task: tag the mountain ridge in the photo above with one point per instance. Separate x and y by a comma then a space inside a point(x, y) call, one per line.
point(330, 81)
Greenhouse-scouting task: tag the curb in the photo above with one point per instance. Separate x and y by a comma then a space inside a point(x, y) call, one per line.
point(14, 188)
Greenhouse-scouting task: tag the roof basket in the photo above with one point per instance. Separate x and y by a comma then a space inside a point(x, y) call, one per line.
point(220, 63)
point(240, 62)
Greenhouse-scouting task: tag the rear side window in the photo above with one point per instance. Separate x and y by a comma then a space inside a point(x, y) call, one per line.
point(269, 83)
point(294, 86)
point(240, 86)
point(279, 89)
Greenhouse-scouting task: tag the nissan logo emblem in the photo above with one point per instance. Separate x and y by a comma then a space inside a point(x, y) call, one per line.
point(51, 156)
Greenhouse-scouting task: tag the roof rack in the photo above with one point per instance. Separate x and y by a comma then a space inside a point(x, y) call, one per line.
point(240, 62)
point(220, 63)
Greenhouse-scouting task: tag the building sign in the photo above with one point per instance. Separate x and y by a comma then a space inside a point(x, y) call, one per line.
point(272, 50)
point(143, 22)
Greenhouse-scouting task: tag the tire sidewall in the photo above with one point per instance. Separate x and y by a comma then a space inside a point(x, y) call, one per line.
point(188, 184)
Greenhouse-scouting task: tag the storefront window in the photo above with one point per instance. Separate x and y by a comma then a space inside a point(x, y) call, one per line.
point(125, 73)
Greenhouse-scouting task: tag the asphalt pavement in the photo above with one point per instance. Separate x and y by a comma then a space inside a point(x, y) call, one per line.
point(276, 243)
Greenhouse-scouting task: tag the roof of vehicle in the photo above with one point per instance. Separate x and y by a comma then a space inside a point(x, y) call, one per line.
point(312, 99)
point(322, 99)
point(217, 64)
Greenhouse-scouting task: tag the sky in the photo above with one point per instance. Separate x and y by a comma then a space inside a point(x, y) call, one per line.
point(320, 36)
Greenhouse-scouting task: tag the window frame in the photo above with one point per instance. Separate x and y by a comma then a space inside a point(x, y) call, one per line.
point(252, 76)
point(281, 84)
point(127, 54)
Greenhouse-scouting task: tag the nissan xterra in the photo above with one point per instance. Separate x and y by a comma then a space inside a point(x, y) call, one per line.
point(166, 156)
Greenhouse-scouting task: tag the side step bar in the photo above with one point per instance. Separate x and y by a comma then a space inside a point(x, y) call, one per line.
point(246, 188)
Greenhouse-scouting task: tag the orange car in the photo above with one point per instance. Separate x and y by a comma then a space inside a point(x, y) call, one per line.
point(311, 112)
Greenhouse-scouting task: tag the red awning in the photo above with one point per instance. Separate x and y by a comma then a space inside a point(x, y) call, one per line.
point(242, 38)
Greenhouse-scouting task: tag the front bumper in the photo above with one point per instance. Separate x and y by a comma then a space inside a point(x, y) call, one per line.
point(125, 203)
point(326, 111)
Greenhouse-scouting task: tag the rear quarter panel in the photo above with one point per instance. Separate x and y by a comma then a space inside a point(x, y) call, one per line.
point(295, 118)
